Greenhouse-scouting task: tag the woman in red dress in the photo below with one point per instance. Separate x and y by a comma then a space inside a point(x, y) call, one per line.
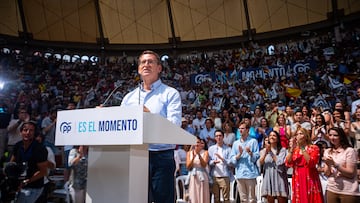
point(303, 157)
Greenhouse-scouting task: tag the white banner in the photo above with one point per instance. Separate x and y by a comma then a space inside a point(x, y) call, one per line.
point(100, 126)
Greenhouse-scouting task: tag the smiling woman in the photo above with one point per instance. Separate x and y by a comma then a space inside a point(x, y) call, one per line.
point(272, 158)
point(340, 167)
point(197, 163)
point(303, 157)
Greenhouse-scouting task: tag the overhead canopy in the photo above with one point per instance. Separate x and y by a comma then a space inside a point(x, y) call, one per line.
point(149, 22)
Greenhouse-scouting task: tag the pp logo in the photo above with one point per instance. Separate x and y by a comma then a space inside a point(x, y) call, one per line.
point(65, 127)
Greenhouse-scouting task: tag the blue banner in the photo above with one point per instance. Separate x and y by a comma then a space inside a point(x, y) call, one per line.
point(197, 79)
point(253, 73)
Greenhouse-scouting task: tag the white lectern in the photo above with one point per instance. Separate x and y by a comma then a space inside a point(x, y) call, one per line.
point(118, 156)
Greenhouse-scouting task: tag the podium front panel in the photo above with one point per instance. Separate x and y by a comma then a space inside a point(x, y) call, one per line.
point(100, 126)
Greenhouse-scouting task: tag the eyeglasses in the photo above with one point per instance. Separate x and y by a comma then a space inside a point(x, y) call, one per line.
point(28, 130)
point(149, 61)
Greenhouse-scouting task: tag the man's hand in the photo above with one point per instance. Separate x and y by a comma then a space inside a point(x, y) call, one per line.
point(146, 109)
point(240, 149)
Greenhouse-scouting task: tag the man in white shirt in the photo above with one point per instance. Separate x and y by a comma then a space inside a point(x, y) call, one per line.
point(148, 94)
point(13, 128)
point(299, 122)
point(199, 122)
point(208, 132)
point(281, 106)
point(219, 155)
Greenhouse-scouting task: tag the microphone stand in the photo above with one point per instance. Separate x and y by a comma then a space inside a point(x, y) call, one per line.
point(110, 95)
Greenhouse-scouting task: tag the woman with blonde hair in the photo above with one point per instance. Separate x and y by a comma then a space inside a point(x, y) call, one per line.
point(229, 135)
point(303, 157)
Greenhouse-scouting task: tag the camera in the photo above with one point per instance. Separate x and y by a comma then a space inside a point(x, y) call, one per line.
point(10, 179)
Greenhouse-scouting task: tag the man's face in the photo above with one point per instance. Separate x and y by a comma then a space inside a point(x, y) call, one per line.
point(213, 113)
point(28, 132)
point(23, 114)
point(184, 124)
point(53, 115)
point(208, 124)
point(289, 110)
point(247, 120)
point(149, 67)
point(268, 107)
point(298, 117)
point(243, 130)
point(225, 113)
point(71, 106)
point(219, 137)
point(338, 105)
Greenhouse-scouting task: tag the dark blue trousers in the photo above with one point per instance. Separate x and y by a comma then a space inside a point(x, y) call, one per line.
point(161, 176)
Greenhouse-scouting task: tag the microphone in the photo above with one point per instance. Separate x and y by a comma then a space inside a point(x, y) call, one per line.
point(110, 95)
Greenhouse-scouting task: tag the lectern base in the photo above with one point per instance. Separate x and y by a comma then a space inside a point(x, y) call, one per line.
point(118, 174)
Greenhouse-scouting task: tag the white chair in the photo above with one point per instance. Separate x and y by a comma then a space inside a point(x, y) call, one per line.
point(62, 193)
point(259, 182)
point(180, 189)
point(233, 191)
point(290, 189)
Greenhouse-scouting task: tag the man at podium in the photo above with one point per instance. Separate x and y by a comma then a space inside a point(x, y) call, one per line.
point(158, 98)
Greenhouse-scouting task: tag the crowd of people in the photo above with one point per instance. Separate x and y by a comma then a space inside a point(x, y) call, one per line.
point(245, 126)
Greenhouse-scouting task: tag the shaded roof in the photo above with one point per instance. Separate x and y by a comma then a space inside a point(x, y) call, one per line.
point(150, 21)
